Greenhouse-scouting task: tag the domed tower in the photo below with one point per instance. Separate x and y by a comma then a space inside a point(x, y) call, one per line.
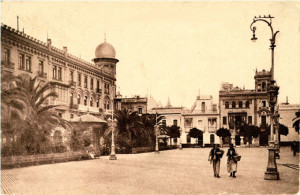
point(105, 58)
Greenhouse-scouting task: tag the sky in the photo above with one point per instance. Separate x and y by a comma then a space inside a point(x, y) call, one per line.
point(173, 49)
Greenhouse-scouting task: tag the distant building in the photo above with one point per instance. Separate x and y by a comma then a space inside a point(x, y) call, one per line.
point(203, 116)
point(242, 106)
point(287, 114)
point(135, 104)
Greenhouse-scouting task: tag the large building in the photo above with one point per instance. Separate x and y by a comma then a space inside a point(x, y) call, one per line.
point(242, 106)
point(82, 87)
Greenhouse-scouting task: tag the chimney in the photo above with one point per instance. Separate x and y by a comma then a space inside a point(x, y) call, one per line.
point(49, 42)
point(65, 50)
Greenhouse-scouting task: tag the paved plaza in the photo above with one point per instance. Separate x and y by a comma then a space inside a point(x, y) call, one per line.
point(186, 171)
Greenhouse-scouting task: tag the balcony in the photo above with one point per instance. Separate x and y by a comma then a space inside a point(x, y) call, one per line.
point(72, 83)
point(7, 64)
point(42, 74)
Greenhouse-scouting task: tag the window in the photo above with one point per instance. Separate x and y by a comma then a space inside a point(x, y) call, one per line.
point(28, 63)
point(233, 104)
point(98, 86)
point(41, 66)
point(106, 103)
point(258, 87)
point(92, 83)
point(249, 120)
point(79, 79)
point(240, 104)
point(247, 104)
point(140, 110)
point(264, 86)
point(72, 116)
point(164, 122)
point(263, 103)
point(224, 120)
point(200, 124)
point(175, 122)
point(91, 102)
point(6, 56)
point(78, 99)
point(59, 72)
point(21, 61)
point(71, 98)
point(85, 81)
point(71, 76)
point(203, 106)
point(97, 103)
point(227, 105)
point(85, 100)
point(54, 72)
point(106, 88)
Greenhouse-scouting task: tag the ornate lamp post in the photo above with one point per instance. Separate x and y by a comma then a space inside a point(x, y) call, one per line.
point(156, 130)
point(271, 173)
point(112, 155)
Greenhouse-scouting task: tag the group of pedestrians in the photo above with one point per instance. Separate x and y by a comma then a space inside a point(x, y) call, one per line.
point(215, 156)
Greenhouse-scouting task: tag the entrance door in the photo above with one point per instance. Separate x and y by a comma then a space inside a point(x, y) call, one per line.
point(200, 140)
point(212, 139)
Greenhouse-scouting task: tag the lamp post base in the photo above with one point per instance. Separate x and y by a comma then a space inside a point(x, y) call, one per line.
point(156, 151)
point(112, 157)
point(271, 173)
point(180, 147)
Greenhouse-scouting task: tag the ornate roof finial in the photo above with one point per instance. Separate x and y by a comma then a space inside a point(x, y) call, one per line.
point(169, 104)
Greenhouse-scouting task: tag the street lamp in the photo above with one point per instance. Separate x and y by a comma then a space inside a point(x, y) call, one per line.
point(112, 155)
point(271, 173)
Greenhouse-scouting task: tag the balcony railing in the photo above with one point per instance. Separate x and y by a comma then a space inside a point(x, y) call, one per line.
point(42, 74)
point(72, 83)
point(8, 64)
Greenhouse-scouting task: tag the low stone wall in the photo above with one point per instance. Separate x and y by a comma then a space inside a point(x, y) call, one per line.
point(30, 160)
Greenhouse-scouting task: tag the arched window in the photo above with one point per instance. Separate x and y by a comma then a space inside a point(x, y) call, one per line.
point(264, 86)
point(106, 103)
point(233, 104)
point(78, 99)
point(227, 105)
point(188, 139)
point(203, 106)
point(71, 98)
point(85, 100)
point(91, 102)
point(240, 104)
point(98, 103)
point(247, 104)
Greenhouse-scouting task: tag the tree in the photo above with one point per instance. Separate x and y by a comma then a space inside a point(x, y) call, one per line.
point(250, 131)
point(173, 131)
point(38, 118)
point(127, 123)
point(195, 133)
point(223, 132)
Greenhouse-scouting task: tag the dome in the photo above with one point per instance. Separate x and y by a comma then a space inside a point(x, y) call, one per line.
point(105, 50)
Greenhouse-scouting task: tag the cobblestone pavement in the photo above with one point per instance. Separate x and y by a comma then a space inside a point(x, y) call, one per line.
point(186, 171)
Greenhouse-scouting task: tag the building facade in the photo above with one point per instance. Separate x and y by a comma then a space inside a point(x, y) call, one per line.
point(82, 87)
point(241, 106)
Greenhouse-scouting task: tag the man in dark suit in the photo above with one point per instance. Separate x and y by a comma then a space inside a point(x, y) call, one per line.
point(214, 157)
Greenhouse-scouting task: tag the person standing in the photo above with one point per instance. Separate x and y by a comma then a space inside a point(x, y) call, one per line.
point(231, 162)
point(294, 148)
point(215, 159)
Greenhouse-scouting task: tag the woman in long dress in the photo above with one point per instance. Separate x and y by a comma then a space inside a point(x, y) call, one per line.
point(231, 162)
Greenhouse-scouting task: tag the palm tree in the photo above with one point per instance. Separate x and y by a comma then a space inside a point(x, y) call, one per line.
point(38, 118)
point(127, 123)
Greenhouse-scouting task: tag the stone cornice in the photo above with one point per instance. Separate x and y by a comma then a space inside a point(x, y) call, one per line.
point(17, 38)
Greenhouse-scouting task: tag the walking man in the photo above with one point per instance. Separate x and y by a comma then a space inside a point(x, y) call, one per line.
point(215, 158)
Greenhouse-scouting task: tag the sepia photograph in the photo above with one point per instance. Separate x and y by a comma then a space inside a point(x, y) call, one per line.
point(150, 97)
